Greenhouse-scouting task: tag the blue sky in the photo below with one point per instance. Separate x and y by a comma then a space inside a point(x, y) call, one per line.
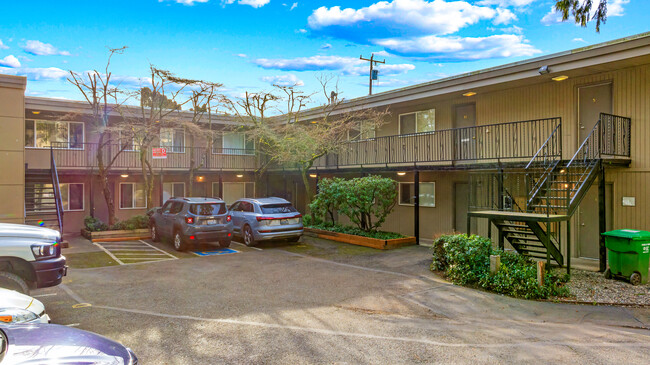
point(249, 44)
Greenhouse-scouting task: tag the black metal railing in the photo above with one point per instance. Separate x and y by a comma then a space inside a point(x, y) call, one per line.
point(202, 158)
point(495, 142)
point(57, 190)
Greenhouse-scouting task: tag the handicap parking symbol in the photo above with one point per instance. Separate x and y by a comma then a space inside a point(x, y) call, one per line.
point(220, 251)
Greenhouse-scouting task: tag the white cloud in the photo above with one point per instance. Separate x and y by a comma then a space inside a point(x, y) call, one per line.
point(504, 16)
point(552, 17)
point(301, 31)
point(39, 48)
point(295, 5)
point(3, 46)
point(253, 3)
point(397, 18)
point(615, 7)
point(242, 55)
point(37, 74)
point(188, 2)
point(283, 80)
point(509, 30)
point(346, 65)
point(579, 40)
point(505, 3)
point(10, 61)
point(451, 49)
point(326, 46)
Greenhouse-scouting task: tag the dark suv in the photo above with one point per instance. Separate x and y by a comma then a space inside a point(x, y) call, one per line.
point(192, 220)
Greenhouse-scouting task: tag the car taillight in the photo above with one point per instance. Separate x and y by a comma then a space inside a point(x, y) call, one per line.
point(189, 220)
point(228, 218)
point(259, 219)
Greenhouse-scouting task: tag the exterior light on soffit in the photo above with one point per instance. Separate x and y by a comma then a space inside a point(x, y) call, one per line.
point(124, 175)
point(240, 176)
point(313, 176)
point(36, 112)
point(469, 93)
point(560, 78)
point(401, 173)
point(200, 178)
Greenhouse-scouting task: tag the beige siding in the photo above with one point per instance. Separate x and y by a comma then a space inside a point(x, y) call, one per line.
point(12, 149)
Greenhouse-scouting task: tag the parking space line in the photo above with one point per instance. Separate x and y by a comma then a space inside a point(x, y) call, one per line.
point(44, 295)
point(156, 248)
point(254, 248)
point(108, 253)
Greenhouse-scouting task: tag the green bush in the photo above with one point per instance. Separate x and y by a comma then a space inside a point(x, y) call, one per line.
point(333, 227)
point(465, 260)
point(93, 224)
point(135, 222)
point(366, 201)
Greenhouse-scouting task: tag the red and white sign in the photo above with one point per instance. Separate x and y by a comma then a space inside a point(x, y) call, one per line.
point(159, 152)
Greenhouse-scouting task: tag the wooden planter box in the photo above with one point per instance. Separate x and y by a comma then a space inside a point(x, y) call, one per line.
point(135, 234)
point(360, 240)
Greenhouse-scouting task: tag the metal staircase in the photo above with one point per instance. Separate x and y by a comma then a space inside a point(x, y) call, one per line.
point(43, 205)
point(549, 189)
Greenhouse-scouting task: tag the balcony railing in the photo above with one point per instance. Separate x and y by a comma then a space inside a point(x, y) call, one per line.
point(516, 141)
point(202, 158)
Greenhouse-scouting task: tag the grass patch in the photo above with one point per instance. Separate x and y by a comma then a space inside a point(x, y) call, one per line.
point(86, 260)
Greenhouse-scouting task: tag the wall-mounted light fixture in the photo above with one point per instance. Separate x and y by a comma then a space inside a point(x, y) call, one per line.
point(36, 112)
point(313, 176)
point(469, 93)
point(544, 70)
point(240, 176)
point(560, 78)
point(401, 173)
point(125, 175)
point(200, 178)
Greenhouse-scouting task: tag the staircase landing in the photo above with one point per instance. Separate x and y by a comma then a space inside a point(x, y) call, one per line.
point(518, 216)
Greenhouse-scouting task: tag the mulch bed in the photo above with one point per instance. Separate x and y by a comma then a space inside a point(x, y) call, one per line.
point(592, 287)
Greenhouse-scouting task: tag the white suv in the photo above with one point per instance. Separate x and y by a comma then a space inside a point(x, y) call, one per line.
point(30, 257)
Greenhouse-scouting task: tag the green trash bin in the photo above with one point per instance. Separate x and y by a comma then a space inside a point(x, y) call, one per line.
point(629, 254)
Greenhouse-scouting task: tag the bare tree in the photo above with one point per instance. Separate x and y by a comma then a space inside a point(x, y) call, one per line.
point(103, 98)
point(293, 138)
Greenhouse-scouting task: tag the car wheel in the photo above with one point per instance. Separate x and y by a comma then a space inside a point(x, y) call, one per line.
point(249, 239)
point(294, 239)
point(224, 243)
point(179, 244)
point(154, 233)
point(13, 282)
point(635, 278)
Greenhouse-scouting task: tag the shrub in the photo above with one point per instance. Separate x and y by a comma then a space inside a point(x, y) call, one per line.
point(135, 222)
point(465, 260)
point(362, 200)
point(93, 224)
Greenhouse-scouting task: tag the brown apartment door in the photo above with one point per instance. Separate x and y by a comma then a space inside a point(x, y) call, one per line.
point(592, 100)
point(465, 137)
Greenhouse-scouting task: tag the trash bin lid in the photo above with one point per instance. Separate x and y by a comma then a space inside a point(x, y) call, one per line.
point(631, 234)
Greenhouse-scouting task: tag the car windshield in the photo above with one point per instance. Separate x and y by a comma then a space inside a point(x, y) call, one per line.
point(208, 209)
point(277, 208)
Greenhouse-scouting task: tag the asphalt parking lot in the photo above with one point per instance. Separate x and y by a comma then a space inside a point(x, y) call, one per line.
point(321, 302)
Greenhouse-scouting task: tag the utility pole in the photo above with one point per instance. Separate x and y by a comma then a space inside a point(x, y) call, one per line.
point(373, 62)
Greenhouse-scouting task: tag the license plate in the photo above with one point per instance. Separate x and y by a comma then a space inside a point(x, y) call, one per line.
point(210, 221)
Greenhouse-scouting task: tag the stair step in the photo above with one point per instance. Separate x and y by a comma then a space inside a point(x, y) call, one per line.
point(525, 239)
point(527, 233)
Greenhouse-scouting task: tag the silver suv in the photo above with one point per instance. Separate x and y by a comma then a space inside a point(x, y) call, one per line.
point(265, 219)
point(192, 220)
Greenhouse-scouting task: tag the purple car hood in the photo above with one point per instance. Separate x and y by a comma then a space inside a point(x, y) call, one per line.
point(55, 344)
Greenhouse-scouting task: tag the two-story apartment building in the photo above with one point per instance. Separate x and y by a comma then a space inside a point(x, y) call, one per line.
point(541, 154)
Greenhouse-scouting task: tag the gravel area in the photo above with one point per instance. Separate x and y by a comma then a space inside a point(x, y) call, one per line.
point(592, 287)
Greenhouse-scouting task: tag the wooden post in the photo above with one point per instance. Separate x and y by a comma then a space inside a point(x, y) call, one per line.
point(416, 207)
point(540, 272)
point(568, 246)
point(495, 263)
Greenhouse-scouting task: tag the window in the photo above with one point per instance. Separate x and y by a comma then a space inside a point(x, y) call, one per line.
point(172, 189)
point(427, 194)
point(235, 143)
point(277, 208)
point(72, 197)
point(173, 140)
point(128, 141)
point(43, 134)
point(132, 196)
point(363, 130)
point(208, 209)
point(418, 122)
point(233, 191)
point(176, 208)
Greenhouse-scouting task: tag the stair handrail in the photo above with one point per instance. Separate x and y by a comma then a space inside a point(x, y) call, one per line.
point(548, 167)
point(557, 129)
point(57, 190)
point(585, 145)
